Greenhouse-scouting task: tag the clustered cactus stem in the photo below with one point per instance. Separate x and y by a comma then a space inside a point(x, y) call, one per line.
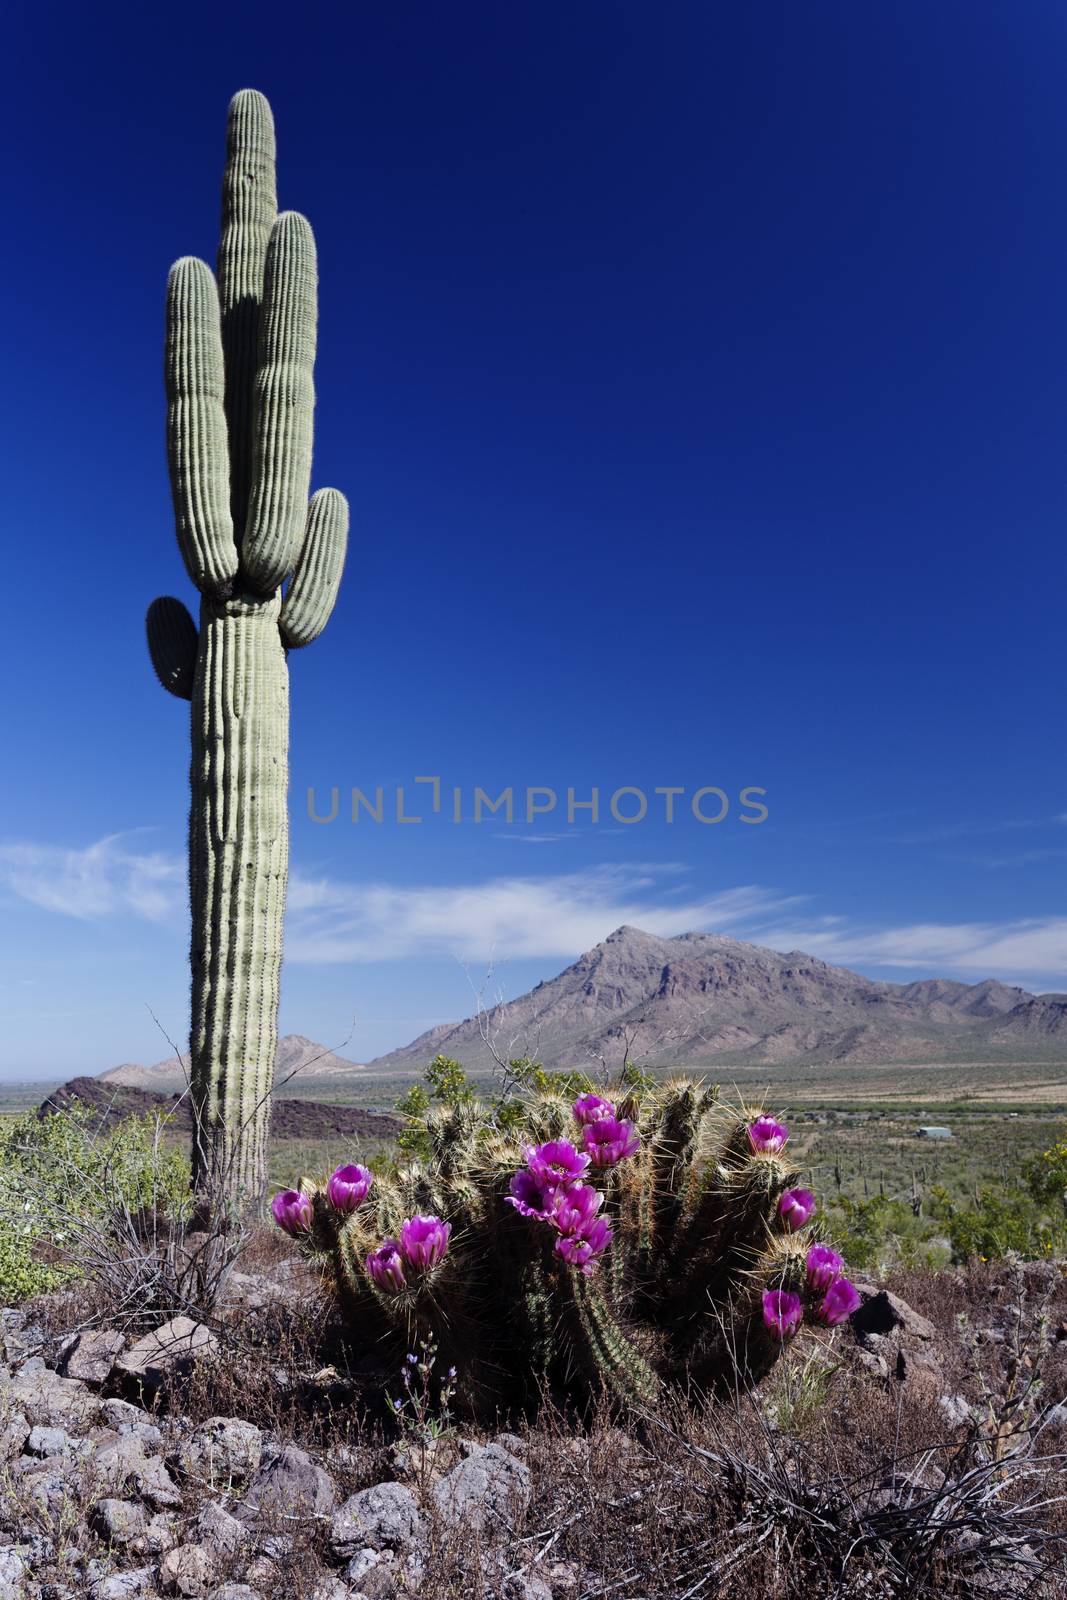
point(240, 353)
point(573, 1248)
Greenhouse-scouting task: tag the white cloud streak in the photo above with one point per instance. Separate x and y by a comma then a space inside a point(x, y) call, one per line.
point(517, 916)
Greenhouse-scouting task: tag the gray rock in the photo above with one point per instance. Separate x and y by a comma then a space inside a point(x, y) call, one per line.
point(54, 1402)
point(222, 1451)
point(159, 1535)
point(526, 1586)
point(331, 1589)
point(13, 1436)
point(13, 1570)
point(289, 1484)
point(955, 1408)
point(883, 1311)
point(235, 1591)
point(19, 1337)
point(120, 1522)
point(186, 1570)
point(217, 1528)
point(155, 1484)
point(91, 1356)
point(48, 1441)
point(174, 1348)
point(489, 1492)
point(384, 1517)
point(124, 1585)
point(124, 1417)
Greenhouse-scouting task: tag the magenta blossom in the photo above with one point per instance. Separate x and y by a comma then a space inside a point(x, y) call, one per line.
point(841, 1299)
point(796, 1207)
point(579, 1250)
point(292, 1211)
point(767, 1137)
point(386, 1266)
point(823, 1266)
point(530, 1198)
point(555, 1163)
point(424, 1241)
point(782, 1313)
point(591, 1108)
point(575, 1208)
point(348, 1187)
point(609, 1141)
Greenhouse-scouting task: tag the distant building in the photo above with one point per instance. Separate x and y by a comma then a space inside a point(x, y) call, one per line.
point(934, 1133)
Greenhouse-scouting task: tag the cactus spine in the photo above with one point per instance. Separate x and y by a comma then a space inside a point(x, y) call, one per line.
point(239, 358)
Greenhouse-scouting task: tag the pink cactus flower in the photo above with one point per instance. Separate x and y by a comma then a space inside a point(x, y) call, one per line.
point(841, 1299)
point(555, 1163)
point(532, 1199)
point(580, 1250)
point(591, 1108)
point(782, 1313)
point(796, 1207)
point(767, 1137)
point(609, 1141)
point(386, 1266)
point(424, 1241)
point(292, 1211)
point(348, 1187)
point(575, 1207)
point(823, 1266)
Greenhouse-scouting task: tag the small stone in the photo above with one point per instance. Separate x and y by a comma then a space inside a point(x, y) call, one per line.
point(119, 1522)
point(122, 1416)
point(155, 1484)
point(124, 1585)
point(237, 1591)
point(384, 1517)
point(13, 1436)
point(185, 1570)
point(330, 1589)
point(12, 1571)
point(488, 1492)
point(526, 1586)
point(50, 1400)
point(174, 1348)
point(955, 1408)
point(92, 1355)
point(289, 1484)
point(217, 1528)
point(222, 1451)
point(882, 1311)
point(48, 1441)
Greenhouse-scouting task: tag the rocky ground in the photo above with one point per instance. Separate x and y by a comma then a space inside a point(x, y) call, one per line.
point(230, 1458)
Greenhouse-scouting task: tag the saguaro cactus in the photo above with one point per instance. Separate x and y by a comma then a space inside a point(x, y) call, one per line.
point(240, 353)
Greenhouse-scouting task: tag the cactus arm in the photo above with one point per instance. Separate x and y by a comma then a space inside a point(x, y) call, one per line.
point(172, 641)
point(196, 427)
point(249, 206)
point(313, 591)
point(284, 406)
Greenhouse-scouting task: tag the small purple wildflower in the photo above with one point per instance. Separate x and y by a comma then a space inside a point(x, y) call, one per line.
point(841, 1299)
point(796, 1207)
point(609, 1141)
point(823, 1265)
point(385, 1266)
point(348, 1187)
point(292, 1211)
point(424, 1241)
point(531, 1198)
point(767, 1137)
point(592, 1108)
point(782, 1313)
point(555, 1163)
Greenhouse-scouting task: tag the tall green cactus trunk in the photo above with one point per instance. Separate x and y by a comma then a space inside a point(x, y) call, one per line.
point(238, 854)
point(240, 355)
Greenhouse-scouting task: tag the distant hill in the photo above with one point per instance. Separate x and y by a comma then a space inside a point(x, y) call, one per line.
point(701, 998)
point(290, 1119)
point(298, 1058)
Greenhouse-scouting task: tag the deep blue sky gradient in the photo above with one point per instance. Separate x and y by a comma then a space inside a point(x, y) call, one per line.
point(698, 380)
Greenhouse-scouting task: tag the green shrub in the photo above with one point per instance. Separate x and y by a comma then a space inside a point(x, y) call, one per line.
point(60, 1171)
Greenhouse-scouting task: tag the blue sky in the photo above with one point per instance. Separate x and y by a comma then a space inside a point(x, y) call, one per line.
point(698, 380)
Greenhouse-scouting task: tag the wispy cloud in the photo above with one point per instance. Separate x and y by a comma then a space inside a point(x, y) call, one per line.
point(1027, 949)
point(507, 916)
point(521, 915)
point(103, 880)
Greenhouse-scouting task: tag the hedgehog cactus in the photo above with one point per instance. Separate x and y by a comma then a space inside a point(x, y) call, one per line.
point(591, 1249)
point(240, 352)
